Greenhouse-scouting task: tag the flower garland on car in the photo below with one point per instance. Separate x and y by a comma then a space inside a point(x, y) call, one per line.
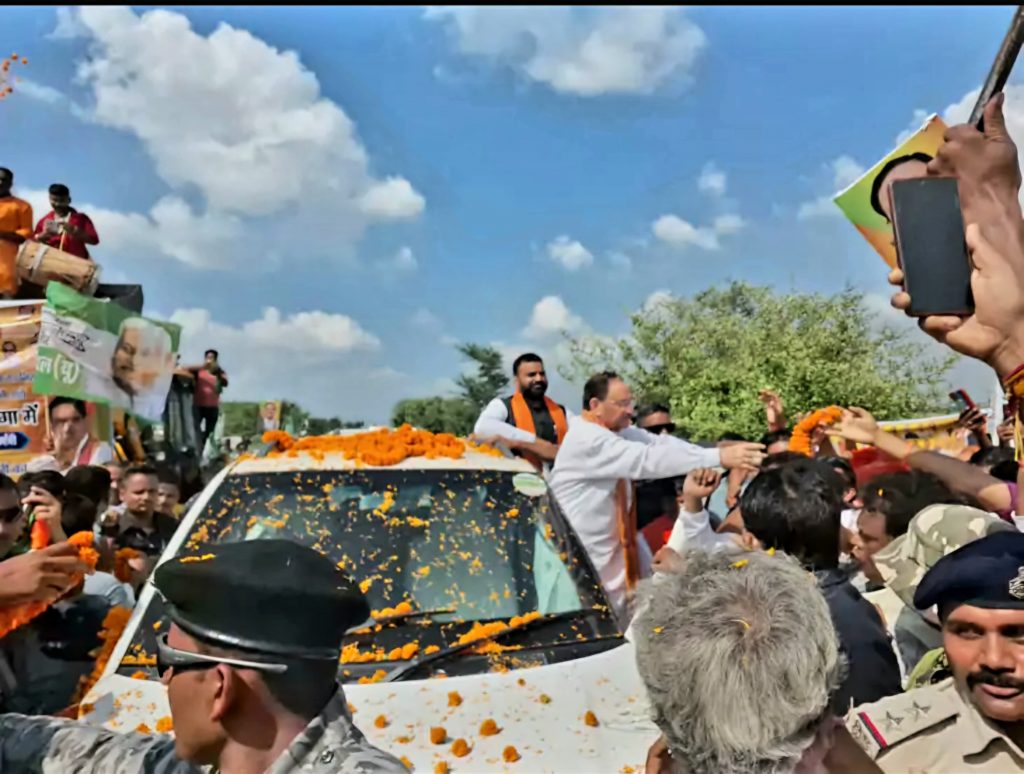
point(113, 626)
point(16, 616)
point(377, 448)
point(800, 440)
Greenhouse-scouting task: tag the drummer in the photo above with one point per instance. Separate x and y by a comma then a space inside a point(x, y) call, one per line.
point(15, 228)
point(64, 227)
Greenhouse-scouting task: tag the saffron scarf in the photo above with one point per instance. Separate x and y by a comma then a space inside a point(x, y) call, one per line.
point(523, 419)
point(625, 516)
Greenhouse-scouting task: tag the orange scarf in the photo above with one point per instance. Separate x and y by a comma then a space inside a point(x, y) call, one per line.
point(523, 419)
point(625, 516)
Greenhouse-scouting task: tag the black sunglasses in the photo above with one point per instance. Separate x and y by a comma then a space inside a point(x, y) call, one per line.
point(186, 661)
point(9, 515)
point(668, 427)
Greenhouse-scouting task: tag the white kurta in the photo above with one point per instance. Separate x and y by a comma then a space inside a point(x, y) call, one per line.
point(590, 462)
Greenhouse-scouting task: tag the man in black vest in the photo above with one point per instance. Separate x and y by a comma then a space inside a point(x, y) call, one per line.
point(528, 422)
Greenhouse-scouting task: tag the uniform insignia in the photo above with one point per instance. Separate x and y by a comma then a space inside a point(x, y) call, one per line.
point(1017, 584)
point(892, 721)
point(916, 711)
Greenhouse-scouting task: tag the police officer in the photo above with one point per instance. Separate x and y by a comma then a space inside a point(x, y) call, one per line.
point(971, 721)
point(250, 663)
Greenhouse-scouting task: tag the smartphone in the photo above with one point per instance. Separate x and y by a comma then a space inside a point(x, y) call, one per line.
point(962, 400)
point(930, 246)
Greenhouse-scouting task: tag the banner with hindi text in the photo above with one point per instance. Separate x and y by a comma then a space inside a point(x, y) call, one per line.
point(23, 428)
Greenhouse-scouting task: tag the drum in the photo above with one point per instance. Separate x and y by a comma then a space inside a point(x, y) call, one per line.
point(37, 263)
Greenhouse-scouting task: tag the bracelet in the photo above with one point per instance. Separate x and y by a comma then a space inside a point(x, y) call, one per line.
point(1014, 383)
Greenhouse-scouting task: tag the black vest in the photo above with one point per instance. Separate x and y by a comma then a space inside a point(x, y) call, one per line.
point(544, 425)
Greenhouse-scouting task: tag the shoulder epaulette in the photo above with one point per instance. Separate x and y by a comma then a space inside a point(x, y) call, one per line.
point(894, 719)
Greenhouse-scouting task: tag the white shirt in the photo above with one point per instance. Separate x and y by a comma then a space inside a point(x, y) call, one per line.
point(590, 463)
point(692, 531)
point(494, 421)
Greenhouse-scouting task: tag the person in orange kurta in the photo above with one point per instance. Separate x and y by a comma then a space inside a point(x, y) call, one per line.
point(15, 228)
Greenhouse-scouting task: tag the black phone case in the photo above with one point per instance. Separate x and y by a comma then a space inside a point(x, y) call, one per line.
point(929, 230)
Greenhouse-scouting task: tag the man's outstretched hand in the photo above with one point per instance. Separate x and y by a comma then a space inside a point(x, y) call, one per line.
point(744, 455)
point(40, 575)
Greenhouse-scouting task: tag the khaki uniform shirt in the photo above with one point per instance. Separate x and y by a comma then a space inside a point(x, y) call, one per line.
point(330, 744)
point(933, 730)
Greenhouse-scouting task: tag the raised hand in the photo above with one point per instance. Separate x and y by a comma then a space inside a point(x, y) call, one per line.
point(856, 425)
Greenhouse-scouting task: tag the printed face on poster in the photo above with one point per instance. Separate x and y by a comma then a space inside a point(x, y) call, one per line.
point(866, 202)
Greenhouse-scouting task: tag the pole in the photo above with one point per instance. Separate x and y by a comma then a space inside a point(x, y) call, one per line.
point(1001, 67)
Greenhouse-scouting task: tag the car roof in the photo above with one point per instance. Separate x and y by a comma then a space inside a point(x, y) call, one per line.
point(300, 461)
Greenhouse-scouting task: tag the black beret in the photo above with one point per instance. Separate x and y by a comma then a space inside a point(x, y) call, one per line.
point(269, 596)
point(988, 572)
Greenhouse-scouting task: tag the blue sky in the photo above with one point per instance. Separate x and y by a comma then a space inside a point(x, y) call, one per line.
point(386, 181)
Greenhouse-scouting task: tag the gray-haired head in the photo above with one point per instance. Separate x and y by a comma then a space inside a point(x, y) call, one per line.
point(739, 659)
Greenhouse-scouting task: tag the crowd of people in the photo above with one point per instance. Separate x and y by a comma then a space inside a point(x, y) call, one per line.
point(131, 511)
point(757, 627)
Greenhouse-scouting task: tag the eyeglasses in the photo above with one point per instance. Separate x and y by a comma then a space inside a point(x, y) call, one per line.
point(624, 404)
point(184, 661)
point(10, 515)
point(667, 428)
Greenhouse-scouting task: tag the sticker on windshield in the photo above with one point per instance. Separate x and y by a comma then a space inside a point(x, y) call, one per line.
point(529, 484)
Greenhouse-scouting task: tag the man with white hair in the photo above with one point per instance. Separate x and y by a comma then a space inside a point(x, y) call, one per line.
point(740, 660)
point(594, 475)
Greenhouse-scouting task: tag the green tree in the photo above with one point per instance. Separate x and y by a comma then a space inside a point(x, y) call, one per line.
point(240, 418)
point(490, 378)
point(321, 426)
point(438, 415)
point(708, 357)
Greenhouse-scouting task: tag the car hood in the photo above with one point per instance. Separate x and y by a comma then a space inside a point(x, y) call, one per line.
point(542, 712)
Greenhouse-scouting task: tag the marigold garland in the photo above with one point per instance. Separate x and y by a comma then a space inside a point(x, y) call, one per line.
point(122, 570)
point(800, 441)
point(376, 448)
point(113, 626)
point(16, 616)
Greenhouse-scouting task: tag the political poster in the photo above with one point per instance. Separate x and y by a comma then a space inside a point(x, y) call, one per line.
point(102, 353)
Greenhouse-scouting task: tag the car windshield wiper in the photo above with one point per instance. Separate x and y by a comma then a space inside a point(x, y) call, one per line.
point(406, 669)
point(398, 617)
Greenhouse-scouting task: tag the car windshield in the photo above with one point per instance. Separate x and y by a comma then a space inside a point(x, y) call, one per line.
point(481, 546)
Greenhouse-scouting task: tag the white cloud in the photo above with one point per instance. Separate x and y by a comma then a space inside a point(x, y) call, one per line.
point(569, 254)
point(845, 171)
point(620, 261)
point(170, 227)
point(68, 25)
point(405, 260)
point(550, 318)
point(310, 335)
point(38, 92)
point(712, 180)
point(677, 232)
point(581, 51)
point(322, 360)
point(392, 199)
point(240, 127)
point(728, 224)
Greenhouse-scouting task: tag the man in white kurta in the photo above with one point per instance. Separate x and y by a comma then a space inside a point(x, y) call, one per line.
point(600, 450)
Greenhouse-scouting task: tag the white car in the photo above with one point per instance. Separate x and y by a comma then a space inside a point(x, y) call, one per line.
point(464, 543)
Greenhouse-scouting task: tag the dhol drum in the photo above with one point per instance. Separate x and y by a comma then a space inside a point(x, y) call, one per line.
point(38, 263)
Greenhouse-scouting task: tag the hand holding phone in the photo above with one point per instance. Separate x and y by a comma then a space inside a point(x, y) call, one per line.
point(930, 245)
